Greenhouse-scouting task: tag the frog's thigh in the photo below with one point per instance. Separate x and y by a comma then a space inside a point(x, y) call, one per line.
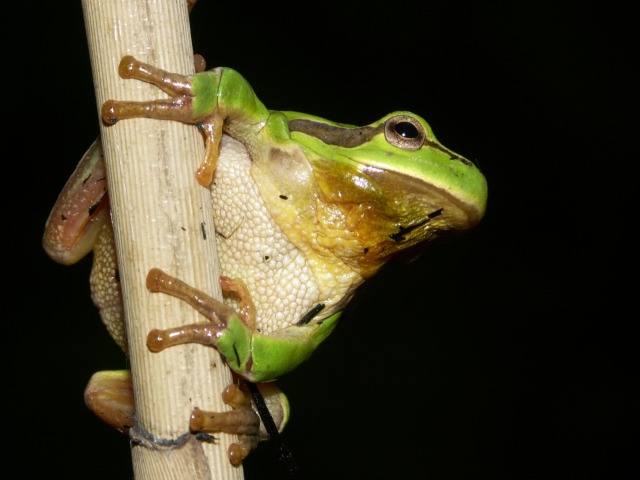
point(109, 394)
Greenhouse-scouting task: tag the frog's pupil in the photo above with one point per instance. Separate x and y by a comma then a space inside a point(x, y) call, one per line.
point(407, 130)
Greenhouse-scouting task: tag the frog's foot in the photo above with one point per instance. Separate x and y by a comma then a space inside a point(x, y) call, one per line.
point(183, 106)
point(203, 333)
point(242, 421)
point(179, 107)
point(110, 396)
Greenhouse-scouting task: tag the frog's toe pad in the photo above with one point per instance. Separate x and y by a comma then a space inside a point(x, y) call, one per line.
point(238, 452)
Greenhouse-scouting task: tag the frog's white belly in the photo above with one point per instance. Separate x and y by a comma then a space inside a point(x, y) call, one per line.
point(253, 248)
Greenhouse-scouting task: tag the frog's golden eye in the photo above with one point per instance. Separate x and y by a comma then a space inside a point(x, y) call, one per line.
point(404, 132)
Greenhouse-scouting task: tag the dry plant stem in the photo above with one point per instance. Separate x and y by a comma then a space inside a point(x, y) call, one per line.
point(162, 218)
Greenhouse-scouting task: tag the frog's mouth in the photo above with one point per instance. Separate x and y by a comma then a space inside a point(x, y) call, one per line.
point(418, 204)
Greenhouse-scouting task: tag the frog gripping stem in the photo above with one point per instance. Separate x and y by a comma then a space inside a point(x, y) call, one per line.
point(181, 107)
point(242, 421)
point(203, 333)
point(176, 85)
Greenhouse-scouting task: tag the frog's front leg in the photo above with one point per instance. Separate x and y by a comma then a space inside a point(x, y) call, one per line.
point(228, 331)
point(193, 101)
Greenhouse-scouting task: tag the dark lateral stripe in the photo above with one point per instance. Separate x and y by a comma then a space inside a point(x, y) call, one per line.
point(452, 155)
point(307, 317)
point(350, 137)
point(347, 137)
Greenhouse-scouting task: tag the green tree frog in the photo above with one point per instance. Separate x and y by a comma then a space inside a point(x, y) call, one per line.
point(306, 210)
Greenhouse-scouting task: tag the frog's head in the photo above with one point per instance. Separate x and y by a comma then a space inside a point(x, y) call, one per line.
point(395, 184)
point(421, 175)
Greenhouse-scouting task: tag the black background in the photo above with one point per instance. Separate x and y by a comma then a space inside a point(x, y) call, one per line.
point(504, 354)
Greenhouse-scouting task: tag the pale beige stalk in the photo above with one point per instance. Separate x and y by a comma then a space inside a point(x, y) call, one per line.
point(162, 218)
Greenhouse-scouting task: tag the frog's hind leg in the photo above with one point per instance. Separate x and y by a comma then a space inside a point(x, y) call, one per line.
point(109, 394)
point(242, 420)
